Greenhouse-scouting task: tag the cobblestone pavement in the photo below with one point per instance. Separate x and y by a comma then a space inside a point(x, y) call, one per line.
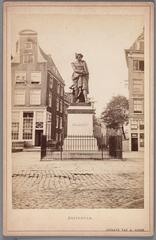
point(76, 184)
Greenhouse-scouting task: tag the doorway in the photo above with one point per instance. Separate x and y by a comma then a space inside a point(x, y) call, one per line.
point(38, 134)
point(134, 141)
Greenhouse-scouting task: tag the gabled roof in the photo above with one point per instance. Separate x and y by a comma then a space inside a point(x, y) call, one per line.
point(42, 56)
point(140, 38)
point(51, 65)
point(133, 46)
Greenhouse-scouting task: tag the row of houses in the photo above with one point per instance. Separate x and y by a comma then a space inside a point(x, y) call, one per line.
point(39, 102)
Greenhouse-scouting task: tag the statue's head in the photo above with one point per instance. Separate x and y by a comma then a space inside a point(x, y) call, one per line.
point(78, 56)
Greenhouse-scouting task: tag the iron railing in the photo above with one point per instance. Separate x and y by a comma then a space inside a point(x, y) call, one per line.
point(83, 147)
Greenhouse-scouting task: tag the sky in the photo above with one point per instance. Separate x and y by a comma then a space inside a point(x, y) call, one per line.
point(102, 40)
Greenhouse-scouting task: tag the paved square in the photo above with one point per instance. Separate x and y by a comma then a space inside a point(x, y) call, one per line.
point(76, 183)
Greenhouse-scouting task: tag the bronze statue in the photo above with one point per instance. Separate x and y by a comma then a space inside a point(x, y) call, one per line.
point(80, 79)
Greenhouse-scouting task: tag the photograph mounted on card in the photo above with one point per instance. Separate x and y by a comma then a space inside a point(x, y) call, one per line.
point(78, 119)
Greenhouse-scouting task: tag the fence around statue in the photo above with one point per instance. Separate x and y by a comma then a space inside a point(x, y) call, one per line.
point(83, 147)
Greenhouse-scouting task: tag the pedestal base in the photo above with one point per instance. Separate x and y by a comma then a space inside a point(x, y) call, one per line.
point(80, 128)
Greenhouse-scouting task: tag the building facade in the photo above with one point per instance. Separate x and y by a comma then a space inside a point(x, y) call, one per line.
point(37, 94)
point(67, 102)
point(135, 63)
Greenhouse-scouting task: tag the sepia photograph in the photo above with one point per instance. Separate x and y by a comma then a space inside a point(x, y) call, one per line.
point(78, 117)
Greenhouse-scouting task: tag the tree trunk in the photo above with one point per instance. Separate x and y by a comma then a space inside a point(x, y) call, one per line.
point(123, 132)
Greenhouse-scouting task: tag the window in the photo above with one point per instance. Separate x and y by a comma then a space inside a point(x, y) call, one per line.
point(19, 97)
point(49, 117)
point(60, 122)
point(134, 124)
point(20, 77)
point(141, 139)
point(134, 135)
point(48, 132)
point(15, 130)
point(61, 106)
point(39, 119)
point(138, 106)
point(137, 85)
point(35, 97)
point(62, 91)
point(27, 125)
point(50, 100)
point(15, 117)
point(28, 45)
point(58, 89)
point(39, 116)
point(51, 82)
point(15, 125)
point(141, 125)
point(57, 121)
point(35, 77)
point(28, 58)
point(138, 65)
point(57, 104)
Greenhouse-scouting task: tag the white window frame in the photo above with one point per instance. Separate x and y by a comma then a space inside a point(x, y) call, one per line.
point(18, 93)
point(51, 81)
point(15, 134)
point(138, 86)
point(28, 127)
point(58, 88)
point(57, 121)
point(138, 106)
point(49, 117)
point(28, 56)
point(20, 81)
point(61, 106)
point(39, 116)
point(48, 130)
point(28, 43)
point(15, 124)
point(32, 94)
point(138, 65)
point(61, 123)
point(50, 99)
point(33, 81)
point(57, 104)
point(62, 91)
point(134, 124)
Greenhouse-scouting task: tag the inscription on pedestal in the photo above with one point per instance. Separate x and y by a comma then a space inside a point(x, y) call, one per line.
point(80, 124)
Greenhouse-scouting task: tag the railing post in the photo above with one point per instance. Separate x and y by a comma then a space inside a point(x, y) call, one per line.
point(119, 147)
point(102, 151)
point(43, 146)
point(61, 149)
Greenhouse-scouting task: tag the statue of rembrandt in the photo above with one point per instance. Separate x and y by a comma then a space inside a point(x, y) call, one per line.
point(80, 79)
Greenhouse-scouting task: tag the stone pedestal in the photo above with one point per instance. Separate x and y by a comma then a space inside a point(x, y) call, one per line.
point(80, 128)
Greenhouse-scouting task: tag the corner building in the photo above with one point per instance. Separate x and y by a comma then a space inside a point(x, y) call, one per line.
point(135, 63)
point(37, 94)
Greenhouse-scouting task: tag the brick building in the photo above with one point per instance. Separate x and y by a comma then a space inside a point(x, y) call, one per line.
point(67, 102)
point(135, 63)
point(37, 94)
